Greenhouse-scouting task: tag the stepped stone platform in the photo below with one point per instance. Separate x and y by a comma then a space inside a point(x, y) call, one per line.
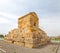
point(28, 33)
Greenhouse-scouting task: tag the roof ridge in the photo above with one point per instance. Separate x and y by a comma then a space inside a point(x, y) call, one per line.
point(32, 13)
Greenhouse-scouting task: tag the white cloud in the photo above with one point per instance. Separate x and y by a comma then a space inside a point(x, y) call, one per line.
point(2, 2)
point(3, 20)
point(8, 15)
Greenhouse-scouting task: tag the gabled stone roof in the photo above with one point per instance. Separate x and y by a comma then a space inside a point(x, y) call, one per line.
point(31, 13)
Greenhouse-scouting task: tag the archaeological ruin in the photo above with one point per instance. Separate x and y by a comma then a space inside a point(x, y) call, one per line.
point(27, 33)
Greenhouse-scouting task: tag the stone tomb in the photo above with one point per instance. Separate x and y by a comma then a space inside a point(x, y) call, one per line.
point(28, 33)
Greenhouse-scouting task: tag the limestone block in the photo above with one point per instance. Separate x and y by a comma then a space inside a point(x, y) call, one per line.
point(28, 35)
point(31, 45)
point(19, 39)
point(19, 43)
point(28, 40)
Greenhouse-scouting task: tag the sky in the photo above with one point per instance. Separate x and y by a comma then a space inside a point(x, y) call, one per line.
point(48, 12)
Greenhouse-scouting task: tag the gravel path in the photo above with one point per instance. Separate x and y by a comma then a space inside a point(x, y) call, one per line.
point(11, 48)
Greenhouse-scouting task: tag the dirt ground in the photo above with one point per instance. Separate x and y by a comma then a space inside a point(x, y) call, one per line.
point(12, 48)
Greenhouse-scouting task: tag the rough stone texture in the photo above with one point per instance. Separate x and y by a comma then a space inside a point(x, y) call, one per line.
point(28, 33)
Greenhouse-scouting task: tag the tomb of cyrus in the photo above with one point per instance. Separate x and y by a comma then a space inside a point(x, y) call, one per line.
point(27, 33)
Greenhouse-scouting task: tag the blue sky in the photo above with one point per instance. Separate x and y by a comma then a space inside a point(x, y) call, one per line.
point(48, 12)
